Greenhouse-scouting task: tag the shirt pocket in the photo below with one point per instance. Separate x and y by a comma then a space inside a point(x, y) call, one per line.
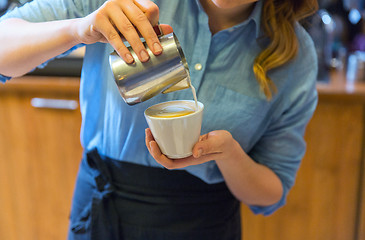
point(242, 115)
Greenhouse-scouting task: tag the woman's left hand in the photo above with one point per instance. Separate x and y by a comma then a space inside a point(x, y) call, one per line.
point(250, 182)
point(215, 145)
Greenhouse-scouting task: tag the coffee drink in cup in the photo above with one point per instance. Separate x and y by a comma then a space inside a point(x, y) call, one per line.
point(176, 126)
point(171, 110)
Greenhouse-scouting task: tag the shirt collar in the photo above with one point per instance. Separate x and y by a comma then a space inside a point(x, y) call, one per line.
point(255, 17)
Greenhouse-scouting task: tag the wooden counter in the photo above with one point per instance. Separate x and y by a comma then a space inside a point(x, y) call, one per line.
point(38, 84)
point(40, 152)
point(339, 89)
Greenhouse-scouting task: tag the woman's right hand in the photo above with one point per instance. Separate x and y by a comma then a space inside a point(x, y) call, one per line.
point(119, 20)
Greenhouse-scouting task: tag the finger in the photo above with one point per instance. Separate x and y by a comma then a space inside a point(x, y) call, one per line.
point(178, 163)
point(150, 9)
point(189, 161)
point(160, 30)
point(148, 138)
point(158, 155)
point(129, 32)
point(209, 143)
point(105, 27)
point(144, 26)
point(166, 29)
point(203, 137)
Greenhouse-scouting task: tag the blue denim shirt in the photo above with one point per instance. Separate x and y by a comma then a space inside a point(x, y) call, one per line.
point(271, 132)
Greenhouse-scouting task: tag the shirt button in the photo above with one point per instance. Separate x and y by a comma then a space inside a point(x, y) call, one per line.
point(198, 67)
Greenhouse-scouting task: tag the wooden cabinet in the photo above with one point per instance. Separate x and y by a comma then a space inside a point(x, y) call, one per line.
point(328, 200)
point(39, 156)
point(361, 228)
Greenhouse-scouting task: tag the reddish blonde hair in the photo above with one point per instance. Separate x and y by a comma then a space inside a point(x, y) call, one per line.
point(277, 20)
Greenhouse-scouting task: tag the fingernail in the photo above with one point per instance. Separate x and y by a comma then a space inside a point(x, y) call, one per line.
point(157, 48)
point(129, 58)
point(144, 55)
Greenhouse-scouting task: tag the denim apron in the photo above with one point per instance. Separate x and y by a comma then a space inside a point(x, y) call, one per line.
point(116, 200)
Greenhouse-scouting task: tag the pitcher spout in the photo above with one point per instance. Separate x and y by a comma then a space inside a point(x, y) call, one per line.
point(183, 84)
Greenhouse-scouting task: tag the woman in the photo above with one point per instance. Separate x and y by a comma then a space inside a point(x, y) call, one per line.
point(254, 68)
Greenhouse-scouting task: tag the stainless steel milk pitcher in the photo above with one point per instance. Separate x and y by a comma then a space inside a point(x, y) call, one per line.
point(140, 81)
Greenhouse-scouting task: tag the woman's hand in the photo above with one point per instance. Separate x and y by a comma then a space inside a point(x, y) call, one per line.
point(31, 44)
point(216, 145)
point(249, 182)
point(118, 20)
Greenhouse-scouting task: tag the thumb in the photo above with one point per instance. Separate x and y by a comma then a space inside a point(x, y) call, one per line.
point(166, 29)
point(207, 144)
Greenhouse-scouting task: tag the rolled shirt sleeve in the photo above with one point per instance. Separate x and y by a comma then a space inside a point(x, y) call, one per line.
point(282, 146)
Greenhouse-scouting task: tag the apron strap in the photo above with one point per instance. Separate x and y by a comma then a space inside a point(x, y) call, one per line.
point(105, 220)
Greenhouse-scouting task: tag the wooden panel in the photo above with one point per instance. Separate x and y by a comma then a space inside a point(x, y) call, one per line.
point(39, 156)
point(361, 230)
point(322, 204)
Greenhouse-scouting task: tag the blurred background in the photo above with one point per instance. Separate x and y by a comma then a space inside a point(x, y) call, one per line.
point(40, 148)
point(338, 31)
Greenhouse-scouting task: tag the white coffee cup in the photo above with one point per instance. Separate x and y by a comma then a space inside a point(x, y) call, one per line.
point(176, 126)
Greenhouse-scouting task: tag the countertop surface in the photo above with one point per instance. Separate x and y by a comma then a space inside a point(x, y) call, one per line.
point(340, 88)
point(337, 88)
point(51, 84)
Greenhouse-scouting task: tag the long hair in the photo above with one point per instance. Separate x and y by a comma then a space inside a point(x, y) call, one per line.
point(278, 20)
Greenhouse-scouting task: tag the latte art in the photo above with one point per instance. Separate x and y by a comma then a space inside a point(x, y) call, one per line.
point(175, 109)
point(171, 110)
